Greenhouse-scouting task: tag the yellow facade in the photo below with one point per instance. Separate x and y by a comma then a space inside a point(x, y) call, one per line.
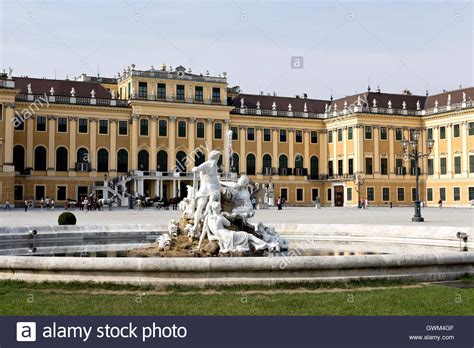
point(156, 117)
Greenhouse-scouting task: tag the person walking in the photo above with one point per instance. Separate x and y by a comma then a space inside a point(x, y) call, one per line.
point(254, 203)
point(7, 205)
point(52, 204)
point(26, 205)
point(366, 204)
point(42, 204)
point(46, 202)
point(279, 203)
point(440, 203)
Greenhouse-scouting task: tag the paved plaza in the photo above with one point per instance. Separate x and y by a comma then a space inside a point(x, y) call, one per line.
point(375, 215)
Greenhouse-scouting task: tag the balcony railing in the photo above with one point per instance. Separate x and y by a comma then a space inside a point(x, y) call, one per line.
point(83, 167)
point(59, 99)
point(178, 99)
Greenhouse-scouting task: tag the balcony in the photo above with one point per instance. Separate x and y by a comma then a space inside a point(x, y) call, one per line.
point(83, 167)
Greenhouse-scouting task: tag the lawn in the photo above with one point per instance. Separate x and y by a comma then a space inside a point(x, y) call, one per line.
point(356, 298)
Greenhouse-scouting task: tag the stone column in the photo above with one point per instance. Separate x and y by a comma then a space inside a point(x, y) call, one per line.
point(344, 163)
point(275, 140)
point(376, 137)
point(465, 157)
point(436, 151)
point(449, 136)
point(172, 143)
point(209, 135)
point(9, 137)
point(226, 157)
point(134, 142)
point(360, 148)
point(51, 144)
point(306, 159)
point(153, 137)
point(29, 142)
point(259, 160)
point(72, 145)
point(93, 146)
point(291, 149)
point(191, 143)
point(391, 151)
point(423, 160)
point(243, 155)
point(113, 146)
point(323, 145)
point(335, 167)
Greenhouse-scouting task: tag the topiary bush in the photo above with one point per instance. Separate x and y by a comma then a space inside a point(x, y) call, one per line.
point(67, 218)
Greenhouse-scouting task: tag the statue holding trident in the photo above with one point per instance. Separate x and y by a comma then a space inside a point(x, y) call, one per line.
point(209, 185)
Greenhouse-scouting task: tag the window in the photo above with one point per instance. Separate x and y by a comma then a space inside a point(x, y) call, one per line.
point(18, 123)
point(198, 93)
point(298, 136)
point(429, 133)
point(122, 161)
point(299, 195)
point(471, 163)
point(103, 126)
point(413, 194)
point(19, 158)
point(330, 169)
point(457, 165)
point(144, 127)
point(267, 134)
point(442, 193)
point(456, 131)
point(217, 130)
point(314, 194)
point(384, 166)
point(314, 167)
point(368, 132)
point(200, 130)
point(430, 166)
point(442, 132)
point(267, 164)
point(123, 127)
point(385, 194)
point(40, 158)
point(40, 191)
point(284, 193)
point(182, 129)
point(216, 95)
point(330, 137)
point(471, 193)
point(61, 193)
point(329, 193)
point(368, 165)
point(129, 89)
point(102, 160)
point(349, 133)
point(61, 159)
point(299, 161)
point(349, 193)
point(142, 90)
point(383, 133)
point(370, 194)
point(443, 165)
point(162, 128)
point(457, 194)
point(339, 134)
point(161, 91)
point(340, 167)
point(470, 126)
point(18, 193)
point(181, 161)
point(41, 123)
point(82, 125)
point(399, 166)
point(235, 133)
point(350, 166)
point(314, 137)
point(398, 134)
point(429, 194)
point(250, 164)
point(250, 134)
point(179, 92)
point(82, 155)
point(400, 194)
point(143, 160)
point(282, 135)
point(162, 160)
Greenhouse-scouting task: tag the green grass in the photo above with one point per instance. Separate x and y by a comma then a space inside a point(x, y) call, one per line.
point(395, 298)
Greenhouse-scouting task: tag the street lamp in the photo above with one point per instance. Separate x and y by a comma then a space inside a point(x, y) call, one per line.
point(359, 181)
point(411, 151)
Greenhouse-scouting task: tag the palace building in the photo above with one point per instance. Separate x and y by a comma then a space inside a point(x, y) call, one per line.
point(143, 131)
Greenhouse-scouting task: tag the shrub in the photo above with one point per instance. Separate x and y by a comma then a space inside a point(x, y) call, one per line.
point(67, 218)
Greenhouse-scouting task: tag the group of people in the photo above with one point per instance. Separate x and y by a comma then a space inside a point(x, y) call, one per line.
point(363, 203)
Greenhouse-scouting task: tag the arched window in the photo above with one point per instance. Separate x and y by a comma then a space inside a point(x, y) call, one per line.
point(19, 158)
point(181, 161)
point(299, 161)
point(61, 159)
point(199, 158)
point(82, 155)
point(122, 161)
point(250, 164)
point(314, 170)
point(234, 163)
point(267, 161)
point(143, 160)
point(40, 158)
point(162, 161)
point(283, 161)
point(103, 160)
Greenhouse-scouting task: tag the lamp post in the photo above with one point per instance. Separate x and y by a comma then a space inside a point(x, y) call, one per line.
point(359, 181)
point(411, 151)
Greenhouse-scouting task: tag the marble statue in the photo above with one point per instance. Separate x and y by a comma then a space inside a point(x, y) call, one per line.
point(173, 228)
point(418, 107)
point(240, 196)
point(51, 91)
point(164, 241)
point(73, 92)
point(92, 94)
point(187, 204)
point(269, 235)
point(389, 104)
point(28, 86)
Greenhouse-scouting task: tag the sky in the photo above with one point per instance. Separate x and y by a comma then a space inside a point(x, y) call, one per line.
point(343, 46)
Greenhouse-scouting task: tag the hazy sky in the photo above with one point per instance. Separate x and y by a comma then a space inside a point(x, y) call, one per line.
point(345, 45)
